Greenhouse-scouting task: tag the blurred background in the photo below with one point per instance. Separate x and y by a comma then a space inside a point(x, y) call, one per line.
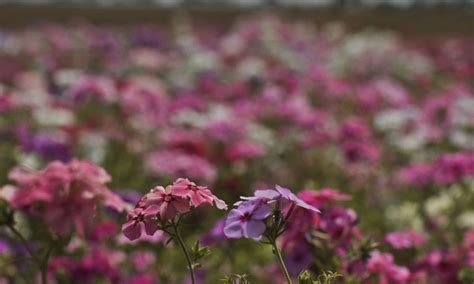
point(363, 107)
point(408, 16)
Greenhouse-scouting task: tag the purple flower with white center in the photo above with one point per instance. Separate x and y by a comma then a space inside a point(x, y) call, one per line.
point(291, 197)
point(247, 220)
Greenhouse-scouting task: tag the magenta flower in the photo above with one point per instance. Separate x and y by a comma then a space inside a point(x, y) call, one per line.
point(198, 195)
point(404, 240)
point(383, 265)
point(168, 202)
point(247, 220)
point(140, 219)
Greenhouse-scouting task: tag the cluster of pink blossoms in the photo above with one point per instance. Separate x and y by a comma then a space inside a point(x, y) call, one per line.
point(446, 169)
point(64, 191)
point(162, 204)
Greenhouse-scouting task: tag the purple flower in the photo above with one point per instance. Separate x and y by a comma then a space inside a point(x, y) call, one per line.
point(247, 220)
point(262, 195)
point(46, 145)
point(290, 196)
point(215, 235)
point(299, 258)
point(4, 248)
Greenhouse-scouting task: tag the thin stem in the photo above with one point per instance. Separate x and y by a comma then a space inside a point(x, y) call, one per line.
point(25, 244)
point(41, 263)
point(185, 251)
point(281, 262)
point(44, 266)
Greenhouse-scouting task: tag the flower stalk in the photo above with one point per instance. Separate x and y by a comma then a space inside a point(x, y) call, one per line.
point(181, 243)
point(281, 262)
point(42, 263)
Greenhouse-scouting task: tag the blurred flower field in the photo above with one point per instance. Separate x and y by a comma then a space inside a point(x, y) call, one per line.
point(121, 146)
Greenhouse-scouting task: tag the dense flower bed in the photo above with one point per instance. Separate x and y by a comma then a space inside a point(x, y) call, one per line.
point(357, 151)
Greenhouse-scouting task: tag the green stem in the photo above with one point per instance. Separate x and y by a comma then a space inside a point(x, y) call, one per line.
point(185, 251)
point(41, 263)
point(281, 262)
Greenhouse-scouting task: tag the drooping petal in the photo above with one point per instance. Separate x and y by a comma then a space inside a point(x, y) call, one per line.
point(220, 204)
point(197, 199)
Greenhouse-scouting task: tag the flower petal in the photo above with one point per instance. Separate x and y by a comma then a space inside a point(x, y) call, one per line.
point(253, 229)
point(131, 230)
point(233, 230)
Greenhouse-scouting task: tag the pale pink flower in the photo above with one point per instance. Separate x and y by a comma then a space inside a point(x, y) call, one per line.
point(198, 195)
point(140, 219)
point(169, 203)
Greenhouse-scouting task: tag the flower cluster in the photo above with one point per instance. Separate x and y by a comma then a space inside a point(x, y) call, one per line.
point(64, 191)
point(162, 204)
point(381, 145)
point(248, 220)
point(445, 170)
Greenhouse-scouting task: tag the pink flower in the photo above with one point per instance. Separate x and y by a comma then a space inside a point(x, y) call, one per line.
point(244, 150)
point(382, 264)
point(451, 168)
point(141, 218)
point(405, 240)
point(65, 194)
point(89, 87)
point(168, 202)
point(198, 195)
point(415, 175)
point(142, 260)
point(468, 245)
point(177, 163)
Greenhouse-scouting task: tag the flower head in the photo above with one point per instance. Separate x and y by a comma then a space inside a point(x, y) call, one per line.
point(247, 220)
point(198, 195)
point(287, 195)
point(168, 202)
point(64, 194)
point(141, 219)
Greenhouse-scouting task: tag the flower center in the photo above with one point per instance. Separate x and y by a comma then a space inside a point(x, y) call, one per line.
point(193, 187)
point(246, 217)
point(140, 218)
point(168, 198)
